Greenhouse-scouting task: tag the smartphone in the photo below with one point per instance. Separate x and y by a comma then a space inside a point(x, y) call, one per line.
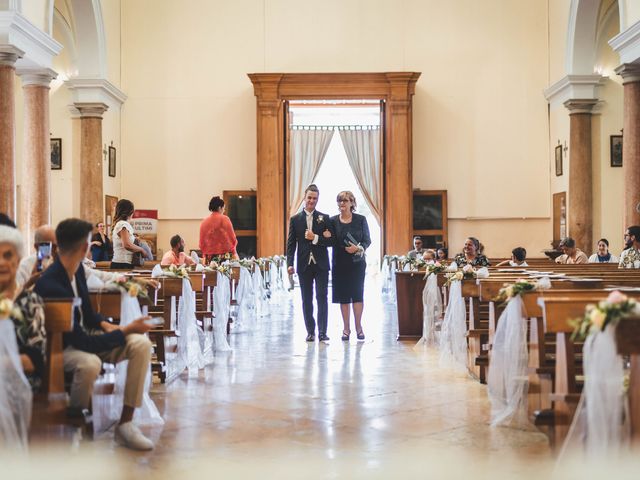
point(155, 321)
point(44, 252)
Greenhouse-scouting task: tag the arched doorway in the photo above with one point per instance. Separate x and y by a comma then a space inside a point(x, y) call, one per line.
point(274, 90)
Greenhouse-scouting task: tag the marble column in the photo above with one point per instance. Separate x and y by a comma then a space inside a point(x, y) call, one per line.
point(35, 191)
point(630, 74)
point(8, 133)
point(580, 172)
point(91, 170)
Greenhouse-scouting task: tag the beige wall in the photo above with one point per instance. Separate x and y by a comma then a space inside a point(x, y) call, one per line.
point(632, 12)
point(480, 117)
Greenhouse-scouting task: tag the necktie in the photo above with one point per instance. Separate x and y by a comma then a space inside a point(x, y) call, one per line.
point(310, 227)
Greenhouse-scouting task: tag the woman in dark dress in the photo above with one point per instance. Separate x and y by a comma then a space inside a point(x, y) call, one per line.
point(100, 245)
point(349, 264)
point(471, 254)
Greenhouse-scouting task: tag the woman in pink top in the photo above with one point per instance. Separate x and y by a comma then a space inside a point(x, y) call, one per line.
point(217, 237)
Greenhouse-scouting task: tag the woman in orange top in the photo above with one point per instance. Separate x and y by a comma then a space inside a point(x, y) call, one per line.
point(217, 237)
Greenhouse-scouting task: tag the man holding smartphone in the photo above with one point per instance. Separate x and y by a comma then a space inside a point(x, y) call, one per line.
point(44, 241)
point(85, 349)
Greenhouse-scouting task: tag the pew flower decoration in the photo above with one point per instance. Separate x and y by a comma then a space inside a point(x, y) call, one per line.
point(607, 312)
point(176, 271)
point(132, 287)
point(9, 310)
point(435, 268)
point(247, 263)
point(515, 289)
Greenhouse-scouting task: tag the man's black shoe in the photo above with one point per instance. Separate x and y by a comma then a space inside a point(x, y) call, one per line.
point(311, 338)
point(323, 337)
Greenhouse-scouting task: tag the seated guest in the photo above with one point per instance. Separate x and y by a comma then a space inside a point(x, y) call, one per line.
point(603, 255)
point(630, 257)
point(176, 255)
point(443, 254)
point(217, 237)
point(28, 310)
point(100, 245)
point(518, 258)
point(471, 254)
point(123, 236)
point(30, 268)
point(94, 340)
point(417, 247)
point(571, 254)
point(429, 256)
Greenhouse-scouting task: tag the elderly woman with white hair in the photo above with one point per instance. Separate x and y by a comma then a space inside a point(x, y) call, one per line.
point(22, 343)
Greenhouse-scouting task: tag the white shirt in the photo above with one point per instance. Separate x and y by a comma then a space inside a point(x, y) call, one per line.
point(121, 254)
point(27, 263)
point(594, 259)
point(315, 237)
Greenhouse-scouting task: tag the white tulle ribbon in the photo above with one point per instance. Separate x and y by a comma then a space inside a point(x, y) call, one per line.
point(432, 311)
point(107, 408)
point(453, 334)
point(261, 299)
point(191, 339)
point(508, 383)
point(245, 296)
point(600, 426)
point(389, 280)
point(15, 392)
point(221, 305)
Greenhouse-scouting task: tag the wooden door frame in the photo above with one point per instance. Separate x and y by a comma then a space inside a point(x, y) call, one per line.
point(396, 89)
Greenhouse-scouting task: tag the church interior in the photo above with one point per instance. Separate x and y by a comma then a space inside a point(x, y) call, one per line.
point(479, 129)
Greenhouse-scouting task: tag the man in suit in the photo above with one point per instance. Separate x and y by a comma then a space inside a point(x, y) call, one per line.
point(306, 236)
point(93, 339)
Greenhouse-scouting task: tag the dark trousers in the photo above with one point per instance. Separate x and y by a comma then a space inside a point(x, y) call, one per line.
point(307, 278)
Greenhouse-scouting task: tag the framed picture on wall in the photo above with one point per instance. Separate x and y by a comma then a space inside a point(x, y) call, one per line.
point(558, 160)
point(56, 154)
point(112, 161)
point(615, 146)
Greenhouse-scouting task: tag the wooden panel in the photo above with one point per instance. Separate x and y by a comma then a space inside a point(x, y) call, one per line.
point(274, 89)
point(409, 288)
point(559, 217)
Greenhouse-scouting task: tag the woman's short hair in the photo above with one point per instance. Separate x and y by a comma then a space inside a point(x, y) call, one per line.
point(349, 196)
point(12, 235)
point(124, 209)
point(567, 242)
point(215, 204)
point(605, 241)
point(519, 253)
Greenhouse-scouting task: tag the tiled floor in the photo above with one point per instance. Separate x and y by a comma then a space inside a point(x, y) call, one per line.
point(276, 400)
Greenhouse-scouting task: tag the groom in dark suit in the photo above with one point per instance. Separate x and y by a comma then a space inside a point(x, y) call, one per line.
point(306, 235)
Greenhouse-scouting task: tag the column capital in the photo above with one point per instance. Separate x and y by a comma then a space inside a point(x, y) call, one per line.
point(630, 72)
point(580, 105)
point(90, 110)
point(36, 77)
point(9, 55)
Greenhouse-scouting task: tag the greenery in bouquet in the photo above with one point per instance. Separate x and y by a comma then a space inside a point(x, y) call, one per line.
point(176, 271)
point(465, 273)
point(607, 312)
point(9, 310)
point(513, 290)
point(132, 287)
point(435, 268)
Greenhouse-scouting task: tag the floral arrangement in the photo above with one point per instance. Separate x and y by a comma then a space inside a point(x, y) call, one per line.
point(247, 263)
point(435, 268)
point(630, 258)
point(9, 310)
point(176, 271)
point(465, 273)
point(132, 287)
point(606, 312)
point(514, 290)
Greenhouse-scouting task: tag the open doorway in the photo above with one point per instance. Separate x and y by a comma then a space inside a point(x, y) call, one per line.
point(335, 173)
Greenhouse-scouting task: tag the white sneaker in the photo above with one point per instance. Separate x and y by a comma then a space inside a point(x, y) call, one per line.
point(130, 436)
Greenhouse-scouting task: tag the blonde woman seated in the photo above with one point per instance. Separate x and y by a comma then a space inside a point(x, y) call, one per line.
point(603, 255)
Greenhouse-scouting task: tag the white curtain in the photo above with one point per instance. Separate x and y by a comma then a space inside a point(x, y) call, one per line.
point(363, 152)
point(308, 149)
point(508, 378)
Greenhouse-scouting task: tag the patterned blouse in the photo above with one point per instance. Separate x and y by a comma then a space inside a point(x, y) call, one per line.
point(31, 334)
point(479, 261)
point(629, 258)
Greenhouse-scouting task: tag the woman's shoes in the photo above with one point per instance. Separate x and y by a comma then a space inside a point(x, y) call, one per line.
point(345, 336)
point(360, 335)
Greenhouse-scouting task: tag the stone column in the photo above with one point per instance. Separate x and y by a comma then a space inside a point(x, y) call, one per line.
point(8, 133)
point(580, 173)
point(36, 164)
point(91, 171)
point(630, 74)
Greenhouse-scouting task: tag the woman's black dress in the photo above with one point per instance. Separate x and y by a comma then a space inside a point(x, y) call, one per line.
point(347, 270)
point(101, 253)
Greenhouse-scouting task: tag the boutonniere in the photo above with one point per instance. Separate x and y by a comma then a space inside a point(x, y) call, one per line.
point(320, 218)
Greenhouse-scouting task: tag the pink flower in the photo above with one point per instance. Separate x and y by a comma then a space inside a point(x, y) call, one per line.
point(616, 297)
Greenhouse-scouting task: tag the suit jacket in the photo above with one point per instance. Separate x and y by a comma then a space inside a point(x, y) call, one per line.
point(54, 283)
point(296, 241)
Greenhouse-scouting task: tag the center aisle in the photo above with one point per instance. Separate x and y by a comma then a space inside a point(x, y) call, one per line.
point(276, 398)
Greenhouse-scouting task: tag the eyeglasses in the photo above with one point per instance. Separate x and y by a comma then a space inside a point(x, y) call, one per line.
point(343, 200)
